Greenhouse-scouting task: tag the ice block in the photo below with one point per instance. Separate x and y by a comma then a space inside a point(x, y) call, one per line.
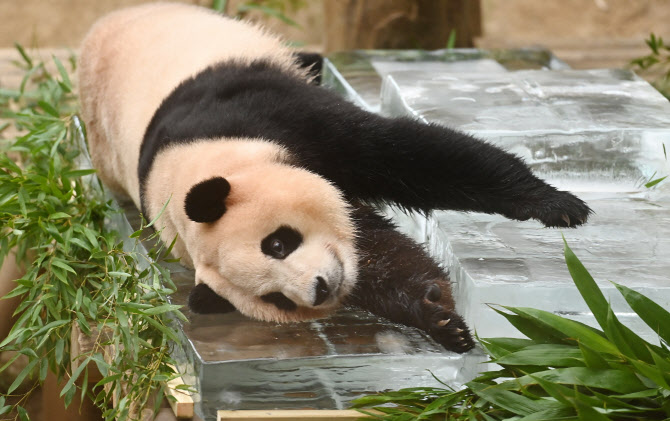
point(235, 362)
point(358, 74)
point(600, 133)
point(493, 260)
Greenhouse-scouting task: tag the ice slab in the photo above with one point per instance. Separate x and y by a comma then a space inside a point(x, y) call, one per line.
point(600, 133)
point(235, 362)
point(358, 75)
point(497, 261)
point(581, 129)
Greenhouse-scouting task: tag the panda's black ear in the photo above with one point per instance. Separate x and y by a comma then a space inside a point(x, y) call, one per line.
point(206, 201)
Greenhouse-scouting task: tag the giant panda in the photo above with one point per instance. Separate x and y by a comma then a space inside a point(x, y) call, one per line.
point(270, 179)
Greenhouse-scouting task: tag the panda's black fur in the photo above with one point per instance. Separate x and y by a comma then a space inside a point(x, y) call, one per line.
point(371, 160)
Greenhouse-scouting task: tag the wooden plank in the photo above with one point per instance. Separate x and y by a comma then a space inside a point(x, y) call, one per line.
point(182, 404)
point(289, 414)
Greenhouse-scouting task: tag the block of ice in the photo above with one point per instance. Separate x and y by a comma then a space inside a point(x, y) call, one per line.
point(599, 132)
point(498, 261)
point(238, 363)
point(247, 364)
point(358, 75)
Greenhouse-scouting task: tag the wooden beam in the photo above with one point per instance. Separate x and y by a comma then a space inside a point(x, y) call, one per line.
point(182, 404)
point(290, 414)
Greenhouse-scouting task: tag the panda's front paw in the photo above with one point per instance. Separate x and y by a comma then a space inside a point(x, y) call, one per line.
point(562, 209)
point(551, 207)
point(444, 325)
point(449, 329)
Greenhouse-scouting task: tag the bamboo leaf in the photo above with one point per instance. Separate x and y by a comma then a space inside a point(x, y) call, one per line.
point(592, 358)
point(551, 414)
point(23, 54)
point(555, 390)
point(23, 414)
point(655, 316)
point(158, 215)
point(63, 74)
point(651, 372)
point(587, 413)
point(618, 381)
point(219, 5)
point(75, 375)
point(161, 309)
point(536, 331)
point(544, 355)
point(78, 173)
point(571, 329)
point(451, 42)
point(22, 375)
point(663, 365)
point(61, 264)
point(50, 326)
point(587, 287)
point(652, 183)
point(121, 275)
point(59, 215)
point(48, 108)
point(510, 401)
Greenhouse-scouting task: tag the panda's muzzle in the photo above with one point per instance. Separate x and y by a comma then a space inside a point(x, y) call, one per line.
point(322, 291)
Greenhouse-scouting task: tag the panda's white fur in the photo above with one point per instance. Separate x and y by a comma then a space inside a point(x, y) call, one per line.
point(126, 70)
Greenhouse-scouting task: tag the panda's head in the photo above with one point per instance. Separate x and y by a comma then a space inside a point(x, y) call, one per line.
point(276, 241)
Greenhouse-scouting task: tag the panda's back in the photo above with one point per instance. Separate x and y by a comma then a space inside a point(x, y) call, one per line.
point(133, 59)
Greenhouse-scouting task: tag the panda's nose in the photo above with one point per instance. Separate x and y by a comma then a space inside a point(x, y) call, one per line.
point(322, 291)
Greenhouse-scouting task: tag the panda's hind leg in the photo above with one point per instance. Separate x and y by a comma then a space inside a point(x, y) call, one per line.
point(399, 281)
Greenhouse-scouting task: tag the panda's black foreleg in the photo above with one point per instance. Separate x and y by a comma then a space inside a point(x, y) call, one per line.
point(399, 281)
point(426, 166)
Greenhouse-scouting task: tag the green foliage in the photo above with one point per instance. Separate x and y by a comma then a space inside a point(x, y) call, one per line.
point(565, 370)
point(78, 274)
point(451, 42)
point(277, 9)
point(657, 63)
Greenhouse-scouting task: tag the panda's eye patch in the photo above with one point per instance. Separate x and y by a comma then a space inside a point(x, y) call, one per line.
point(281, 243)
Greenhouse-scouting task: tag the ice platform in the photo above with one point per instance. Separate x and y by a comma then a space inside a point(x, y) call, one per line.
point(235, 362)
point(598, 133)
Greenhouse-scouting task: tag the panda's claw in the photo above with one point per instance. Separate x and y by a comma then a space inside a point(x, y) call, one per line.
point(443, 323)
point(566, 218)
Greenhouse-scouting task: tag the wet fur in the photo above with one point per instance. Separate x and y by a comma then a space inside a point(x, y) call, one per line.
point(398, 280)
